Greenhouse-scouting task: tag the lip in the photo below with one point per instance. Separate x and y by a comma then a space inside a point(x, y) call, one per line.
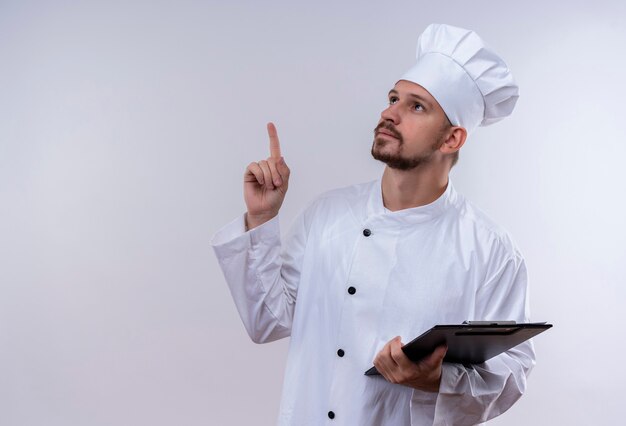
point(387, 133)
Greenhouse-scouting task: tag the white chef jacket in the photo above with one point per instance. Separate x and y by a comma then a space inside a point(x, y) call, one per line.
point(352, 275)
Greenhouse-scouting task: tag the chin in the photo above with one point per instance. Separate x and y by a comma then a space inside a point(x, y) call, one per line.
point(395, 161)
point(384, 147)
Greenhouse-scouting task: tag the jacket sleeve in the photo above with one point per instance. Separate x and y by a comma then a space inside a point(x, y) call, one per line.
point(262, 275)
point(470, 395)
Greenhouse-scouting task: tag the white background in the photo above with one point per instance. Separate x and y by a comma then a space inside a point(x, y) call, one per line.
point(125, 127)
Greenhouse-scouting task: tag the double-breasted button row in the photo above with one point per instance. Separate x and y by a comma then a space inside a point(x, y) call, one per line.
point(331, 415)
point(367, 232)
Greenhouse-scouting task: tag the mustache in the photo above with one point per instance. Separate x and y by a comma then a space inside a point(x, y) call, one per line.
point(389, 127)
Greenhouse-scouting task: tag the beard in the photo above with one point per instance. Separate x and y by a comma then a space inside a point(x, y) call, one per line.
point(396, 160)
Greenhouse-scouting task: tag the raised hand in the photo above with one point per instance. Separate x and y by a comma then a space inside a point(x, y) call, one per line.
point(265, 184)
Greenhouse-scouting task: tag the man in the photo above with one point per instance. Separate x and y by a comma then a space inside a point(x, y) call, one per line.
point(367, 267)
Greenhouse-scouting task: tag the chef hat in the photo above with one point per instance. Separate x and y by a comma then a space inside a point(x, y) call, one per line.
point(470, 81)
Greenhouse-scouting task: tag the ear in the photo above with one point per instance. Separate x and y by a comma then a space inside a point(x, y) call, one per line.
point(455, 140)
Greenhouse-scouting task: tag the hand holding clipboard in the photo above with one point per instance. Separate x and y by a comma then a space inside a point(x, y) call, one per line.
point(473, 342)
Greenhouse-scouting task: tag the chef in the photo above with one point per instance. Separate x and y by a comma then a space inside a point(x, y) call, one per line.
point(371, 266)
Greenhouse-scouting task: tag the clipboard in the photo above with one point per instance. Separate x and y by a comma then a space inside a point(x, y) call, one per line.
point(472, 342)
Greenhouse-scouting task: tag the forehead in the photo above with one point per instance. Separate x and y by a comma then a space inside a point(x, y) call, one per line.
point(408, 88)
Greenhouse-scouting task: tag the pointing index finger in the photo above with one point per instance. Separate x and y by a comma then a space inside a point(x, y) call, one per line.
point(274, 143)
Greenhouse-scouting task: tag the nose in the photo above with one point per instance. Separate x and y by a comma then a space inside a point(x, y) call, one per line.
point(391, 114)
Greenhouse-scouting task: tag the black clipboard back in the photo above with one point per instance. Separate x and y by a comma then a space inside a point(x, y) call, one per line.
point(472, 343)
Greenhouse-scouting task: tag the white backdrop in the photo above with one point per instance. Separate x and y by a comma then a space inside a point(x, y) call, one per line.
point(125, 127)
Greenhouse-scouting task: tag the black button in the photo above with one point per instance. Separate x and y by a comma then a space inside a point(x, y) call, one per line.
point(351, 290)
point(340, 352)
point(331, 415)
point(367, 232)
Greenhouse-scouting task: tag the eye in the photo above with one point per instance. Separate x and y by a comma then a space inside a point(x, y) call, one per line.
point(418, 107)
point(393, 100)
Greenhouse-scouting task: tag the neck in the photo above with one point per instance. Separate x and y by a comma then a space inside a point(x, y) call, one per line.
point(405, 189)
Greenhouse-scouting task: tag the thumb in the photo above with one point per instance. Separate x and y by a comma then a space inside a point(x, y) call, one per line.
point(436, 357)
point(282, 168)
point(440, 353)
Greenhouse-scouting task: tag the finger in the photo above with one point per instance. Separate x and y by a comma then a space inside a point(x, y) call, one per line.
point(384, 371)
point(254, 172)
point(435, 359)
point(388, 351)
point(382, 363)
point(271, 162)
point(398, 354)
point(274, 143)
point(267, 174)
point(388, 363)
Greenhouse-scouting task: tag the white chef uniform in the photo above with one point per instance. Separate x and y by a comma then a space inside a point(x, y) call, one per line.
point(350, 276)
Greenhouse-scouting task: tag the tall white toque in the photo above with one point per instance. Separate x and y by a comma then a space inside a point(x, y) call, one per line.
point(470, 81)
